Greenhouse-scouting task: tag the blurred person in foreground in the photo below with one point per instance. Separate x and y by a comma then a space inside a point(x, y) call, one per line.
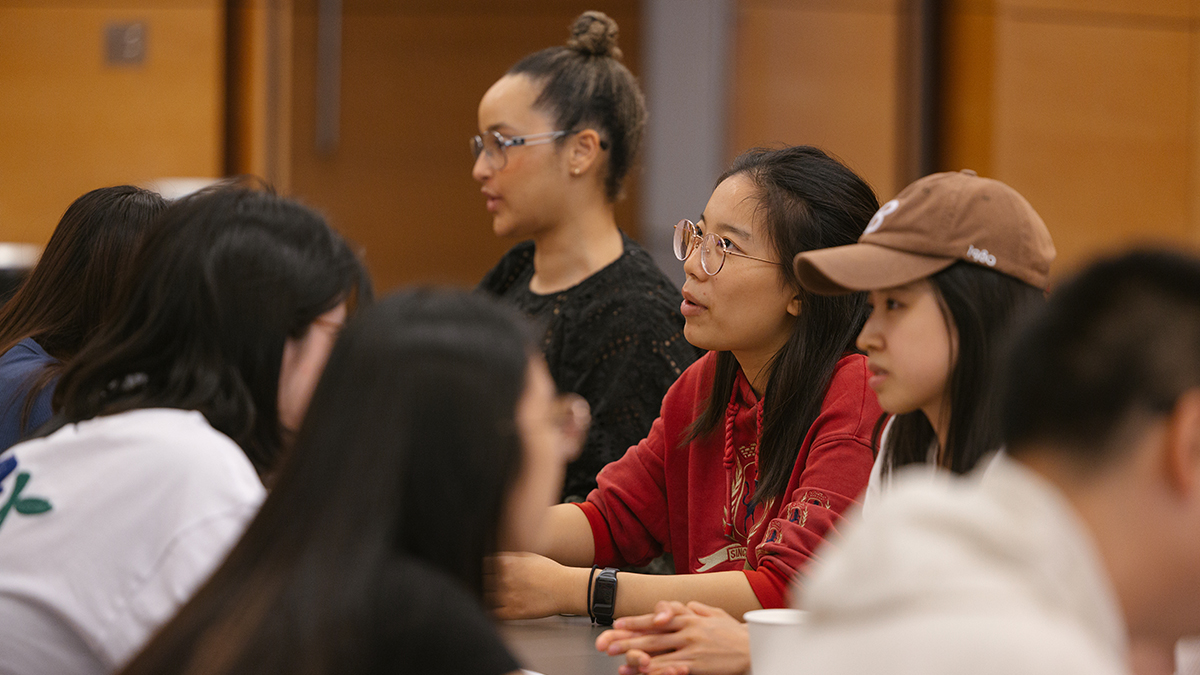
point(435, 437)
point(168, 422)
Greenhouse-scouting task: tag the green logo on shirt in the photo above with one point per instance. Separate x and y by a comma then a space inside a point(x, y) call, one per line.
point(26, 506)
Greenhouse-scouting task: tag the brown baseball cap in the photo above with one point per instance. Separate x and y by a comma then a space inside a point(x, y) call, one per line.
point(932, 224)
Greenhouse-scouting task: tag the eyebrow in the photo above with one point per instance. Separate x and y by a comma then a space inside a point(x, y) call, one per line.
point(743, 234)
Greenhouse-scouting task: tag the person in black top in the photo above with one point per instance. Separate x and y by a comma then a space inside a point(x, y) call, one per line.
point(434, 439)
point(558, 134)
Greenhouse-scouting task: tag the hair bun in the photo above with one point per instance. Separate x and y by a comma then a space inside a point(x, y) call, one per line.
point(594, 34)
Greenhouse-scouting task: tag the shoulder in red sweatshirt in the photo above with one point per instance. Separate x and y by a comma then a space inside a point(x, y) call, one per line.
point(693, 498)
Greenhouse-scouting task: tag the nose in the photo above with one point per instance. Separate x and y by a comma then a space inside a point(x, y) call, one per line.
point(692, 267)
point(869, 338)
point(482, 169)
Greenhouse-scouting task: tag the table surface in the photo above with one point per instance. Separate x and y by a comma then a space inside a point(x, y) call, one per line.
point(559, 645)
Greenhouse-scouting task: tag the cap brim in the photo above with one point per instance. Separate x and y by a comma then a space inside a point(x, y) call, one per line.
point(863, 267)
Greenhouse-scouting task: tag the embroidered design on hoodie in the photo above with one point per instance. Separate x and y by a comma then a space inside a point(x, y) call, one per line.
point(797, 513)
point(26, 506)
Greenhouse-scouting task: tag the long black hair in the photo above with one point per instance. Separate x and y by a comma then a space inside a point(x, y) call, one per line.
point(979, 305)
point(78, 280)
point(809, 200)
point(584, 85)
point(222, 281)
point(408, 452)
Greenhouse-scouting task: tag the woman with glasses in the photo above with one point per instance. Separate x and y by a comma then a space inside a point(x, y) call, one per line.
point(435, 438)
point(760, 445)
point(558, 134)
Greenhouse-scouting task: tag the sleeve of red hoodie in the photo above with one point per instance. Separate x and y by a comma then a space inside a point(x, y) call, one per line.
point(628, 510)
point(831, 472)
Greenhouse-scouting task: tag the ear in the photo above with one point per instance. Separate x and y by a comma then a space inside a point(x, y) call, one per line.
point(793, 306)
point(1183, 443)
point(584, 151)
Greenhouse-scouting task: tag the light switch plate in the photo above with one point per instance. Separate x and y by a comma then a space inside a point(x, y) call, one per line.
point(125, 43)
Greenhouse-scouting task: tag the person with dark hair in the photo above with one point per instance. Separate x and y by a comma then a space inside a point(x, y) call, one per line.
point(355, 564)
point(1078, 539)
point(558, 136)
point(65, 298)
point(761, 444)
point(949, 265)
point(166, 419)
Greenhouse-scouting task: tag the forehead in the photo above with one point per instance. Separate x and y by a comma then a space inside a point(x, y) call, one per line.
point(509, 104)
point(735, 202)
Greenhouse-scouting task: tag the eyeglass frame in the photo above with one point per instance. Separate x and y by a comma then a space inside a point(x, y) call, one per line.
point(692, 229)
point(506, 142)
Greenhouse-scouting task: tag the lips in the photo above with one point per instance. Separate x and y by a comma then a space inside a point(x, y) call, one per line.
point(493, 200)
point(690, 306)
point(878, 375)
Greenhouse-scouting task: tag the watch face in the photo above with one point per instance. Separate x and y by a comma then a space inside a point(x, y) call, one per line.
point(604, 596)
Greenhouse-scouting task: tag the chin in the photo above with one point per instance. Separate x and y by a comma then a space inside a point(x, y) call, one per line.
point(695, 338)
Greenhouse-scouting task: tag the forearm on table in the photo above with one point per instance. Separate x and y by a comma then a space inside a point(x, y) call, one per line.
point(638, 593)
point(568, 537)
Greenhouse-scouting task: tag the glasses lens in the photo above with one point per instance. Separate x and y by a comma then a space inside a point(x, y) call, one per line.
point(712, 254)
point(493, 145)
point(683, 239)
point(476, 146)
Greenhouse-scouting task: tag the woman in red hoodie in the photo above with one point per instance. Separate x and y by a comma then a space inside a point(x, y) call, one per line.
point(760, 444)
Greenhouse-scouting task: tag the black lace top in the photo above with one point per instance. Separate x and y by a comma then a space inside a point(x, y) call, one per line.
point(616, 339)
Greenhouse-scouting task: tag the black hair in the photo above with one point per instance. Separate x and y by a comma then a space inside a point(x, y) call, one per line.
point(809, 200)
point(78, 280)
point(1118, 343)
point(584, 85)
point(979, 305)
point(221, 282)
point(409, 452)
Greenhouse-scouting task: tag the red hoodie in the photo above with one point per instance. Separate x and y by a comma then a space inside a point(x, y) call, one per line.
point(692, 499)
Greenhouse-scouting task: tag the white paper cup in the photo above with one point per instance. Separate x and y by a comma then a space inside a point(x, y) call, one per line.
point(773, 637)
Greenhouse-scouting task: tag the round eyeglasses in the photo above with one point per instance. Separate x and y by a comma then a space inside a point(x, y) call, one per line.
point(494, 145)
point(713, 249)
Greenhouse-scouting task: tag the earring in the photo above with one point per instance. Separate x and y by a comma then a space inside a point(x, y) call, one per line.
point(575, 171)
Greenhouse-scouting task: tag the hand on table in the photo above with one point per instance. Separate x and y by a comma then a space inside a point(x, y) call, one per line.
point(529, 586)
point(678, 639)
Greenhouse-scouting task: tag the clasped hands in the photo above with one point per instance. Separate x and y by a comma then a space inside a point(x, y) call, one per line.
point(679, 639)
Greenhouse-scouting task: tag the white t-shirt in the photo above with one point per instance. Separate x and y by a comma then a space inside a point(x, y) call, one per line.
point(117, 521)
point(989, 574)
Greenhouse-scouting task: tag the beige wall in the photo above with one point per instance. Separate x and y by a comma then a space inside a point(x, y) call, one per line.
point(69, 123)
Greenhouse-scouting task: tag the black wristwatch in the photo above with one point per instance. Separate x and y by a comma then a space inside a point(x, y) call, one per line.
point(604, 596)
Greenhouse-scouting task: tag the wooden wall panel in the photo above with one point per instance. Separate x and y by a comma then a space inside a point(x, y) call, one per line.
point(1092, 127)
point(1089, 109)
point(400, 181)
point(69, 123)
point(823, 73)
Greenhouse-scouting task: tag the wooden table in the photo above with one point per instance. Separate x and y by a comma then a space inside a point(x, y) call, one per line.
point(559, 645)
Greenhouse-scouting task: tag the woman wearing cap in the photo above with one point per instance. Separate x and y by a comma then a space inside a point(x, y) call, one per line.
point(948, 264)
point(558, 135)
point(760, 445)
